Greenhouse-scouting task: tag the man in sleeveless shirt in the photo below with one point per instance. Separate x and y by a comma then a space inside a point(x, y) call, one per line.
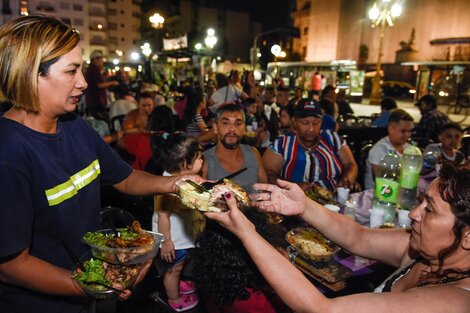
point(229, 155)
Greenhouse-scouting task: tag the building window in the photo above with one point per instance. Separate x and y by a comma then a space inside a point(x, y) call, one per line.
point(64, 6)
point(78, 7)
point(113, 40)
point(306, 31)
point(66, 20)
point(136, 14)
point(304, 53)
point(123, 39)
point(112, 26)
point(78, 22)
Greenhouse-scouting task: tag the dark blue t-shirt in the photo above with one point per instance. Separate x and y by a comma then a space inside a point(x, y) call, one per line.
point(50, 191)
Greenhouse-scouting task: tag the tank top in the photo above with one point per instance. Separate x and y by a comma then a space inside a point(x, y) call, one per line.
point(245, 179)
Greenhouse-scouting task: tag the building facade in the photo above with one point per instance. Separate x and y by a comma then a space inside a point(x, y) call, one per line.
point(339, 29)
point(104, 25)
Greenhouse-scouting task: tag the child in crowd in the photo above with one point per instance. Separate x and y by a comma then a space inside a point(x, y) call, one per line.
point(250, 108)
point(179, 154)
point(447, 149)
point(286, 118)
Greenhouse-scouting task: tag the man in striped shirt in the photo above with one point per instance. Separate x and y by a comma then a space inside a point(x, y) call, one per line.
point(310, 155)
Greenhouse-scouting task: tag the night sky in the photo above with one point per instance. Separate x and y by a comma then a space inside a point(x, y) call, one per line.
point(270, 13)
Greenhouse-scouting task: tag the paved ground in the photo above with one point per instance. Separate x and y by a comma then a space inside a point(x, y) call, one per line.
point(365, 108)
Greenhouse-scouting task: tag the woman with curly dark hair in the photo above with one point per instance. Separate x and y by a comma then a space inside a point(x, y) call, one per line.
point(433, 257)
point(226, 277)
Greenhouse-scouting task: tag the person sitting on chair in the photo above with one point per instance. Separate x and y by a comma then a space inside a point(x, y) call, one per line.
point(400, 127)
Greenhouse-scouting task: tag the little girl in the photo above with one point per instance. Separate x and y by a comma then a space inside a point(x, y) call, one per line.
point(178, 154)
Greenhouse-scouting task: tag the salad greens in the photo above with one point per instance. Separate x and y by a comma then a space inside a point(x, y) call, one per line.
point(94, 273)
point(101, 239)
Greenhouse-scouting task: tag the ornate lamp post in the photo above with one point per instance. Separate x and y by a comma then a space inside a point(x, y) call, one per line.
point(277, 51)
point(156, 20)
point(210, 39)
point(382, 14)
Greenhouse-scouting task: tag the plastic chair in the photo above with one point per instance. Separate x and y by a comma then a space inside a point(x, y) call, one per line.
point(363, 155)
point(116, 122)
point(115, 217)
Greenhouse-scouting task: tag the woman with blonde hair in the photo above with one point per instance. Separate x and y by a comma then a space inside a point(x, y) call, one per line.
point(52, 165)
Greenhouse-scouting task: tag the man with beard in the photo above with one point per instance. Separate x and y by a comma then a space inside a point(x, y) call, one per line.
point(229, 155)
point(309, 155)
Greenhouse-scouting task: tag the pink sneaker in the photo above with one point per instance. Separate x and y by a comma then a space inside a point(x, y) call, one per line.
point(185, 303)
point(187, 287)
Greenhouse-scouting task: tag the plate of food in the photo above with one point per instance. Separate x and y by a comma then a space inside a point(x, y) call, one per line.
point(100, 279)
point(124, 246)
point(321, 195)
point(211, 200)
point(312, 245)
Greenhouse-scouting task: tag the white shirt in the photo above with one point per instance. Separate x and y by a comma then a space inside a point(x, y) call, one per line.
point(181, 226)
point(227, 94)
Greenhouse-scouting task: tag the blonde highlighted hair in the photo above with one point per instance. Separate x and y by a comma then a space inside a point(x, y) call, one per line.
point(29, 45)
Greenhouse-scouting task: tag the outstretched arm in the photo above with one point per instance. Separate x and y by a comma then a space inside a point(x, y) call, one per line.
point(142, 183)
point(388, 246)
point(301, 296)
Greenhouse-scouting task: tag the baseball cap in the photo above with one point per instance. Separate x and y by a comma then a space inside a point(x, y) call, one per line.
point(306, 108)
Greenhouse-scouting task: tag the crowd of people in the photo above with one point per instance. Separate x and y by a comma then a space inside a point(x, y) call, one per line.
point(55, 160)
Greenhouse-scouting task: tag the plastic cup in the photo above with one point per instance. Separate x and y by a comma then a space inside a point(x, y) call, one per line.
point(332, 207)
point(342, 195)
point(376, 217)
point(404, 221)
point(255, 125)
point(249, 128)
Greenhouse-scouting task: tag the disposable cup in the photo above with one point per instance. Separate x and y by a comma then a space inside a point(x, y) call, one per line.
point(332, 207)
point(342, 195)
point(376, 217)
point(255, 125)
point(249, 128)
point(404, 220)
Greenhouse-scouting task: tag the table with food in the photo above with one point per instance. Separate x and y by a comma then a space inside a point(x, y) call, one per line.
point(316, 256)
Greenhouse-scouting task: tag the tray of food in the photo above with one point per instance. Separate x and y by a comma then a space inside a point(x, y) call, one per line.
point(312, 245)
point(125, 246)
point(211, 200)
point(101, 279)
point(321, 195)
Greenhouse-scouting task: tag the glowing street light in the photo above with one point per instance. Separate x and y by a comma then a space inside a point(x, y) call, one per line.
point(146, 50)
point(135, 56)
point(382, 14)
point(156, 20)
point(276, 50)
point(210, 39)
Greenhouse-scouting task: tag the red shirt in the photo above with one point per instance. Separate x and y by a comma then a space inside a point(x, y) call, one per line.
point(139, 146)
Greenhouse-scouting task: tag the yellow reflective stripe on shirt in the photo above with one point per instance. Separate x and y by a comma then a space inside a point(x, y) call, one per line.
point(76, 182)
point(87, 175)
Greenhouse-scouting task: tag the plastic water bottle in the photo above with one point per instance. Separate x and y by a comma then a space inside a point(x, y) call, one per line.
point(411, 164)
point(386, 186)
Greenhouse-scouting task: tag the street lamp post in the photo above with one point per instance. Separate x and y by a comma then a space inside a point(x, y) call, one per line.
point(157, 20)
point(382, 14)
point(147, 51)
